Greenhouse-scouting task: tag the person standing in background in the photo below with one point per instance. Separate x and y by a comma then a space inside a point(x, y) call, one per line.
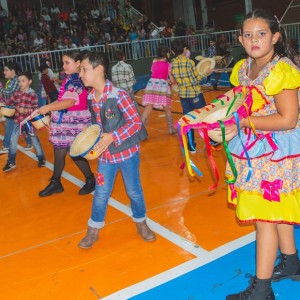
point(122, 74)
point(11, 69)
point(157, 92)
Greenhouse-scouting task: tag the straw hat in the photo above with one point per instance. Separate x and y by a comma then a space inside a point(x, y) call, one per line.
point(85, 141)
point(40, 121)
point(199, 57)
point(205, 64)
point(217, 110)
point(8, 111)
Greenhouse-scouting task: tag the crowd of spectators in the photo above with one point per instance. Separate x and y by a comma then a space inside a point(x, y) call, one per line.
point(27, 29)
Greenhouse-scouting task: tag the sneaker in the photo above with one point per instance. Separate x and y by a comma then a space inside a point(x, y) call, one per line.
point(41, 163)
point(207, 84)
point(4, 150)
point(28, 147)
point(8, 167)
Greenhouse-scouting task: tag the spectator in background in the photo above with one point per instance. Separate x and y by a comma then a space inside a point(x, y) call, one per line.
point(48, 84)
point(180, 28)
point(122, 74)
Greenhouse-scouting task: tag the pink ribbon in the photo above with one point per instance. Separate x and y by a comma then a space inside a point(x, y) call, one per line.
point(233, 191)
point(271, 189)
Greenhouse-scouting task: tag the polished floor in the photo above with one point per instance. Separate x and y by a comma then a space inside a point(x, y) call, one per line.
point(200, 252)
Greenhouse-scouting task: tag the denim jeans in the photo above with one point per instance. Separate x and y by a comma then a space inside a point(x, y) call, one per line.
point(188, 105)
point(34, 140)
point(131, 177)
point(9, 125)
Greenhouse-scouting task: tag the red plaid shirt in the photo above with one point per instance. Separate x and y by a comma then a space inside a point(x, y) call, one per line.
point(133, 124)
point(24, 102)
point(48, 84)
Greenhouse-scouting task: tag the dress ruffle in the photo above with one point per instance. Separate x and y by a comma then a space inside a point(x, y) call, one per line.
point(283, 76)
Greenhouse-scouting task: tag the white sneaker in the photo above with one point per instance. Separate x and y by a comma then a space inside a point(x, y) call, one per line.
point(4, 150)
point(28, 147)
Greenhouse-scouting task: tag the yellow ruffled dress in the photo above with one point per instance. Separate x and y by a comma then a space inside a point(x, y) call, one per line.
point(272, 193)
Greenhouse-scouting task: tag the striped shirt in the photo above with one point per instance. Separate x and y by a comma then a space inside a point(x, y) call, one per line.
point(123, 76)
point(132, 125)
point(186, 76)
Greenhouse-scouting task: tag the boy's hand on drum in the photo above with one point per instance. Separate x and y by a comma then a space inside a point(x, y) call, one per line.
point(105, 140)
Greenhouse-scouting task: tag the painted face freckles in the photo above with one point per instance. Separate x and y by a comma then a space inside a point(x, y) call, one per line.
point(257, 38)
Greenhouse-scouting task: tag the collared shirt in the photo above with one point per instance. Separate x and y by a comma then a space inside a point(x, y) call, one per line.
point(25, 103)
point(186, 76)
point(132, 125)
point(123, 76)
point(10, 87)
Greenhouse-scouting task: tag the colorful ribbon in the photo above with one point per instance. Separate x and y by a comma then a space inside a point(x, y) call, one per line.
point(271, 189)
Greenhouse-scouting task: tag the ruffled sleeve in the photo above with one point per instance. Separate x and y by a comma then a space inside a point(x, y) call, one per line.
point(234, 77)
point(282, 76)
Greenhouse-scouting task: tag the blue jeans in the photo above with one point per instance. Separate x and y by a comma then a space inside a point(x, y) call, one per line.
point(131, 177)
point(9, 125)
point(34, 140)
point(188, 105)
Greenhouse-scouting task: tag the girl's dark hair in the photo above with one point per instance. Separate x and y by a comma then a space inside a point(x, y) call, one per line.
point(162, 51)
point(97, 59)
point(274, 25)
point(74, 54)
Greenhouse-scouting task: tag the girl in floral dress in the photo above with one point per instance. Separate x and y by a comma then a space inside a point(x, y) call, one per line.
point(269, 196)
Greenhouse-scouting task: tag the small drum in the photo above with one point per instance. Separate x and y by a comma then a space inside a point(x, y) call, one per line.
point(220, 109)
point(205, 64)
point(7, 111)
point(85, 141)
point(40, 121)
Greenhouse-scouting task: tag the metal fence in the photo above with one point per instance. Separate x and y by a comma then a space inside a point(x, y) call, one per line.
point(135, 50)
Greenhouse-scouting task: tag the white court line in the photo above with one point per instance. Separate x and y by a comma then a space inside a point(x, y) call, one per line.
point(202, 256)
point(169, 235)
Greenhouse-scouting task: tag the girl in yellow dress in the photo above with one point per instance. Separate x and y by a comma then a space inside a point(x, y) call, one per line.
point(267, 143)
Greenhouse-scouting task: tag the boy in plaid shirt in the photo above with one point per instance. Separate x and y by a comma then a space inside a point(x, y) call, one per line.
point(25, 101)
point(119, 147)
point(11, 69)
point(188, 80)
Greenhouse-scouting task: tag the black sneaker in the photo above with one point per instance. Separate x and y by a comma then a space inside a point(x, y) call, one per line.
point(41, 163)
point(8, 167)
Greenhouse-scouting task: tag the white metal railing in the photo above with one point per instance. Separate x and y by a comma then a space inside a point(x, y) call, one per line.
point(135, 50)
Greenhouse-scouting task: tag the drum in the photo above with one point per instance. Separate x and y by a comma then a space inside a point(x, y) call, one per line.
point(220, 109)
point(85, 141)
point(40, 121)
point(205, 64)
point(7, 111)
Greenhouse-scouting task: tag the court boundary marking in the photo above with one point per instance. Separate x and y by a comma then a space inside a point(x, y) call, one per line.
point(203, 257)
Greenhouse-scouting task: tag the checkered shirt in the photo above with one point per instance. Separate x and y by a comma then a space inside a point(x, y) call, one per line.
point(123, 76)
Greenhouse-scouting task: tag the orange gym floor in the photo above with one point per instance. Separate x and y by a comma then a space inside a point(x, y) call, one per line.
point(39, 257)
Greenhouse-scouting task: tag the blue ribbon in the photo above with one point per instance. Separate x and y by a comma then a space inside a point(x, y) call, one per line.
point(237, 121)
